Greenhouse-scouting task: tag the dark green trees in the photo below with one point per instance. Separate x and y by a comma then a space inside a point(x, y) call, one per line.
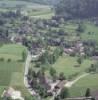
point(77, 8)
point(88, 92)
point(24, 56)
point(64, 93)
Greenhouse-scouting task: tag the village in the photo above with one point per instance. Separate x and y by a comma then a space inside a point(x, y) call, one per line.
point(48, 41)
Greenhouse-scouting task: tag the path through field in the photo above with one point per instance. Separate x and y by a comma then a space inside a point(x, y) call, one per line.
point(70, 83)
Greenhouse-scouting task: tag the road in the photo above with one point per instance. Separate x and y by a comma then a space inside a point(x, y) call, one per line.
point(27, 65)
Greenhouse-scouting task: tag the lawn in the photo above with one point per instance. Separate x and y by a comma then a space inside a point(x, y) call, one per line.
point(66, 64)
point(11, 73)
point(80, 87)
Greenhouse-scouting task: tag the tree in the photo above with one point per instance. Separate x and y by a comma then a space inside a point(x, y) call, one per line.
point(57, 98)
point(62, 76)
point(88, 92)
point(92, 68)
point(72, 9)
point(64, 93)
point(52, 71)
point(81, 27)
point(79, 60)
point(42, 91)
point(24, 55)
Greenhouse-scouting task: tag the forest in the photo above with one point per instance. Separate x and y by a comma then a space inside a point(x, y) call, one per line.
point(72, 9)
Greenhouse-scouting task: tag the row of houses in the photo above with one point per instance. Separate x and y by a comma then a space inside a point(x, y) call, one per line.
point(77, 48)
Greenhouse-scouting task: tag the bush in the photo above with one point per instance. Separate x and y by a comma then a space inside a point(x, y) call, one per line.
point(9, 60)
point(37, 65)
point(62, 76)
point(1, 59)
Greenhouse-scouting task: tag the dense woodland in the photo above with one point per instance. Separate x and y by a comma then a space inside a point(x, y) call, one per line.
point(77, 8)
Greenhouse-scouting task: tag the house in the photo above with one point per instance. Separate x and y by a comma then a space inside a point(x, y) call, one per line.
point(4, 39)
point(77, 48)
point(13, 94)
point(95, 94)
point(68, 50)
point(60, 84)
point(95, 58)
point(18, 40)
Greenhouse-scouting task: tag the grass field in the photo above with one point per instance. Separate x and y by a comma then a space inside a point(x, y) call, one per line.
point(66, 64)
point(12, 51)
point(80, 87)
point(33, 9)
point(43, 13)
point(90, 27)
point(11, 73)
point(94, 32)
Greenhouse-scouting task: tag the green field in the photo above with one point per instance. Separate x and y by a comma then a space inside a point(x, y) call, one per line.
point(11, 73)
point(43, 13)
point(94, 32)
point(12, 51)
point(80, 87)
point(66, 64)
point(90, 27)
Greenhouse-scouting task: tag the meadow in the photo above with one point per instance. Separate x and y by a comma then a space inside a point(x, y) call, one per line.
point(12, 72)
point(79, 88)
point(66, 64)
point(34, 10)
